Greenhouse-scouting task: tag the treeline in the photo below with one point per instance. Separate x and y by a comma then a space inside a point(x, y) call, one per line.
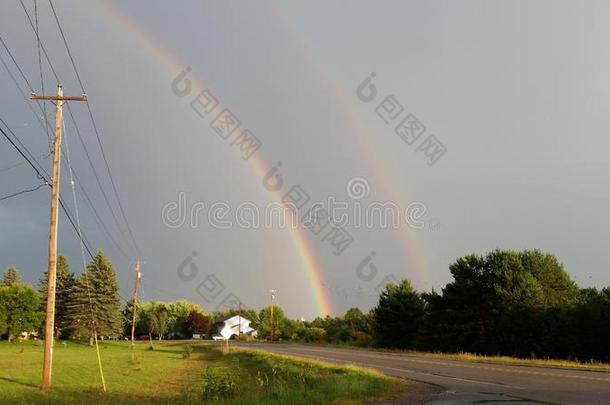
point(182, 319)
point(83, 305)
point(166, 320)
point(90, 304)
point(510, 303)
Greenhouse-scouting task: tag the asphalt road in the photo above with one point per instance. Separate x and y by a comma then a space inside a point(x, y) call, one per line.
point(466, 382)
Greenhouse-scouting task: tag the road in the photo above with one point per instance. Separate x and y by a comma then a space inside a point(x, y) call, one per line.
point(466, 382)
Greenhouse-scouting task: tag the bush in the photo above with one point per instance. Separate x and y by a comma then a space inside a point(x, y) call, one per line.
point(186, 351)
point(217, 385)
point(361, 338)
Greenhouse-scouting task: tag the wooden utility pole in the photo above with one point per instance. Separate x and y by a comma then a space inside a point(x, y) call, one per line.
point(272, 305)
point(49, 329)
point(135, 301)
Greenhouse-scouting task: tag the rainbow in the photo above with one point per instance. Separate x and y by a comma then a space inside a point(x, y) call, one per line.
point(300, 238)
point(174, 65)
point(410, 251)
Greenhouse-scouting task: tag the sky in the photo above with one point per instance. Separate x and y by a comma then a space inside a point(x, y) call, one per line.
point(511, 97)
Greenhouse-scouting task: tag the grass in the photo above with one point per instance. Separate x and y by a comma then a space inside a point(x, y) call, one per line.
point(182, 372)
point(480, 358)
point(553, 363)
point(262, 378)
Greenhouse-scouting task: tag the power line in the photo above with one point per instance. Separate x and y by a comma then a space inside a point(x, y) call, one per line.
point(90, 205)
point(39, 171)
point(44, 105)
point(36, 169)
point(98, 218)
point(113, 183)
point(44, 51)
point(81, 236)
point(63, 37)
point(97, 135)
point(83, 239)
point(95, 174)
point(68, 106)
point(24, 191)
point(27, 101)
point(17, 164)
point(15, 62)
point(82, 248)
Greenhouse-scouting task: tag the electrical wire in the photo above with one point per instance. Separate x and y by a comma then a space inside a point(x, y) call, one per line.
point(44, 51)
point(24, 191)
point(27, 100)
point(90, 205)
point(82, 248)
point(17, 164)
point(39, 171)
point(44, 105)
point(95, 174)
point(95, 129)
point(40, 107)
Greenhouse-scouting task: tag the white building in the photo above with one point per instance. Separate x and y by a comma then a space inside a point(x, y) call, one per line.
point(234, 326)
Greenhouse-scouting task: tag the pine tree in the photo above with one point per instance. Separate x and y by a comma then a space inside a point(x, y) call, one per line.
point(94, 303)
point(79, 313)
point(10, 277)
point(398, 315)
point(64, 287)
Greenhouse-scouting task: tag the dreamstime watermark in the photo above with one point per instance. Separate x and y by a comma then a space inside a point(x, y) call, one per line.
point(406, 126)
point(326, 221)
point(281, 215)
point(209, 287)
point(224, 123)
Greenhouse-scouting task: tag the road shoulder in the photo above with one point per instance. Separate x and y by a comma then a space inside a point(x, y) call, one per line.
point(417, 393)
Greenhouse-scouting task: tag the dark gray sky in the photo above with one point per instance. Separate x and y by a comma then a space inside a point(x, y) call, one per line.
point(515, 91)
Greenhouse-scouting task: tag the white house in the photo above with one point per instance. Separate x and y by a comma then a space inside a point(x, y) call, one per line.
point(234, 326)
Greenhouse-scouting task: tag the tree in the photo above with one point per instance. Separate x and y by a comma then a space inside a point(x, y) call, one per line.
point(197, 323)
point(94, 304)
point(585, 326)
point(337, 329)
point(19, 312)
point(498, 303)
point(557, 287)
point(3, 314)
point(280, 323)
point(179, 311)
point(10, 277)
point(156, 316)
point(398, 315)
point(64, 287)
point(357, 321)
point(126, 317)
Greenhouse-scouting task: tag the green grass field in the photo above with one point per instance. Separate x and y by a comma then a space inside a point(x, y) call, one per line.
point(181, 372)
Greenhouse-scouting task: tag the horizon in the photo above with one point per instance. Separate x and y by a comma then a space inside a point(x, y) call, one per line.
point(482, 126)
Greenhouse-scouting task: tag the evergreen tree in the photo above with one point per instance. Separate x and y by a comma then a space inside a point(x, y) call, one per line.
point(10, 277)
point(504, 302)
point(64, 287)
point(94, 302)
point(398, 315)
